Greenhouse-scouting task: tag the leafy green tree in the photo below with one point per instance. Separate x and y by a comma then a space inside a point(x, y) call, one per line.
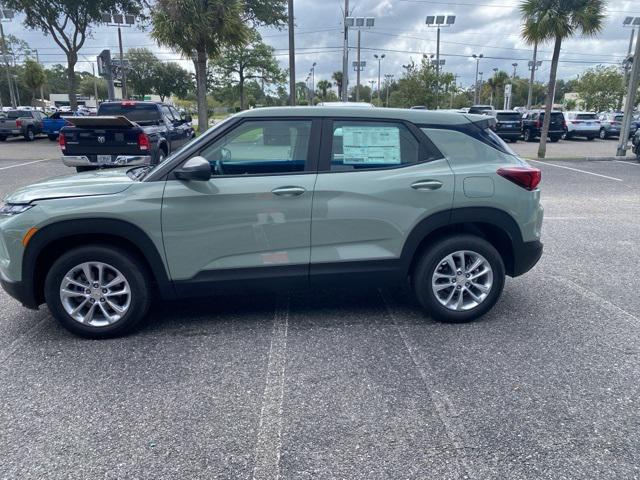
point(142, 72)
point(252, 59)
point(601, 88)
point(69, 22)
point(56, 81)
point(364, 93)
point(557, 20)
point(17, 47)
point(323, 87)
point(88, 86)
point(33, 77)
point(171, 79)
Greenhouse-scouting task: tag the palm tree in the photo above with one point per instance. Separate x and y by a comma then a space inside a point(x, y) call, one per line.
point(337, 79)
point(556, 20)
point(496, 84)
point(323, 87)
point(199, 30)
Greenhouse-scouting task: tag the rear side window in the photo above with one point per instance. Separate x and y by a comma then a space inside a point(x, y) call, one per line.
point(358, 145)
point(509, 117)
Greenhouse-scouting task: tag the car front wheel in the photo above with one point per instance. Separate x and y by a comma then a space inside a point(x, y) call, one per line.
point(459, 279)
point(603, 134)
point(527, 136)
point(98, 291)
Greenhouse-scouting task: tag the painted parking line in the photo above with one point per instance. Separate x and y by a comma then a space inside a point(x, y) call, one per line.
point(27, 163)
point(578, 170)
point(628, 162)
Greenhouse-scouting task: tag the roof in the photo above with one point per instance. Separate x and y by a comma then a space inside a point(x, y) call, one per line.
point(414, 116)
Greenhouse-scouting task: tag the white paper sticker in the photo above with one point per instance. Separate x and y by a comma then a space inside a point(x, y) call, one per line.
point(370, 145)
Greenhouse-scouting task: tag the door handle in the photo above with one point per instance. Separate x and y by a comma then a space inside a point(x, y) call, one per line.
point(426, 185)
point(288, 191)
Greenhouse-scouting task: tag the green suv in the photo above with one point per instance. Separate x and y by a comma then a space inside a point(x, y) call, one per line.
point(275, 198)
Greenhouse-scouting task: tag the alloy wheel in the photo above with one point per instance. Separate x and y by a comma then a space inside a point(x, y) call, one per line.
point(462, 280)
point(95, 294)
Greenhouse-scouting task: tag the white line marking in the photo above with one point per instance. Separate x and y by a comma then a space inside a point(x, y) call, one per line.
point(628, 162)
point(443, 404)
point(267, 456)
point(578, 170)
point(27, 163)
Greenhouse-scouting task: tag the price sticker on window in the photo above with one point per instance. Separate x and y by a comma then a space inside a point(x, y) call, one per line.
point(370, 145)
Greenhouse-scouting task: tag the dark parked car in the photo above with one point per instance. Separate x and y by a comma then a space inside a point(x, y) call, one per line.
point(636, 144)
point(21, 123)
point(532, 125)
point(508, 124)
point(124, 133)
point(480, 109)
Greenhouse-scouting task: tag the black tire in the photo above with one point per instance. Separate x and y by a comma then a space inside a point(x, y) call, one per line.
point(52, 137)
point(430, 261)
point(589, 139)
point(603, 134)
point(527, 136)
point(162, 154)
point(131, 268)
point(30, 135)
point(554, 139)
point(85, 169)
point(3, 138)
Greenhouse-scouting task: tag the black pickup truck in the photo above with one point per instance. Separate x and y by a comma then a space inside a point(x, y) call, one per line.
point(124, 133)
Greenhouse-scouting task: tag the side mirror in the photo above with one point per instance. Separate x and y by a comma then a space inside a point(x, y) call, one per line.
point(196, 168)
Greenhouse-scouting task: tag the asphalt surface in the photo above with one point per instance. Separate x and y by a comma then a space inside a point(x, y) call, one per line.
point(351, 384)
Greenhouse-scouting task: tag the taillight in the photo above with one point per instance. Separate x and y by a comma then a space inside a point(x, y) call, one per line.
point(128, 103)
point(62, 142)
point(525, 177)
point(143, 141)
point(18, 123)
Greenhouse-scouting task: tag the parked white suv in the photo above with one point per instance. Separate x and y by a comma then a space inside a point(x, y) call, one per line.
point(582, 124)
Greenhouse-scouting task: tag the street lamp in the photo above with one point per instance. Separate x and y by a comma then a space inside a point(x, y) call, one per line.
point(359, 23)
point(515, 66)
point(313, 78)
point(120, 20)
point(379, 58)
point(372, 83)
point(475, 94)
point(439, 21)
point(6, 15)
point(480, 91)
point(388, 78)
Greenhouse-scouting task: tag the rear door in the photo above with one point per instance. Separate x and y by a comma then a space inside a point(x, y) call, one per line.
point(377, 180)
point(253, 218)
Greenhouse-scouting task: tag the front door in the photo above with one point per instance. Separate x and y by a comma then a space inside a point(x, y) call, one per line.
point(252, 220)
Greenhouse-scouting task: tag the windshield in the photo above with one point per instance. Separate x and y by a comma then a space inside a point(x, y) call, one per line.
point(509, 117)
point(136, 112)
point(586, 116)
point(19, 114)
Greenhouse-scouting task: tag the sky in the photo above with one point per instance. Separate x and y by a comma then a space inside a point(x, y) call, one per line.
point(490, 27)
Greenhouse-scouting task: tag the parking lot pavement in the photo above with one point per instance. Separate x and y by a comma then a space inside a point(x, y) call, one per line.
point(572, 148)
point(355, 384)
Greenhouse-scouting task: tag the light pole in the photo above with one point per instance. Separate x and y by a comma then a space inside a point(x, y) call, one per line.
point(515, 66)
point(372, 83)
point(533, 66)
point(439, 21)
point(6, 16)
point(632, 23)
point(379, 58)
point(119, 20)
point(480, 90)
point(359, 23)
point(388, 78)
point(475, 93)
point(634, 80)
point(345, 55)
point(313, 79)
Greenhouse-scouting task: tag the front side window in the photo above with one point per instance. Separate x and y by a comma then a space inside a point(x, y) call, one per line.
point(368, 145)
point(261, 147)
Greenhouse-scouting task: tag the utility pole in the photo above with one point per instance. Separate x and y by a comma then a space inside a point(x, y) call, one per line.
point(630, 101)
point(345, 56)
point(358, 70)
point(533, 66)
point(515, 66)
point(475, 91)
point(6, 62)
point(292, 58)
point(388, 77)
point(359, 22)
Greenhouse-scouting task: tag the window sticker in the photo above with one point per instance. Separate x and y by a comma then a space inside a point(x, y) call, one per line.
point(370, 145)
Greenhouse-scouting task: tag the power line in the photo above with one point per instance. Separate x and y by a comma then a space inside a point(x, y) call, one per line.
point(462, 4)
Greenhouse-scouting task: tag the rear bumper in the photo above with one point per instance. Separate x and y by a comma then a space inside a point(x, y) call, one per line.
point(21, 292)
point(584, 132)
point(526, 256)
point(121, 160)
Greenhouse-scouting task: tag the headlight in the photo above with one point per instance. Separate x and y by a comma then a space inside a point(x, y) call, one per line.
point(9, 209)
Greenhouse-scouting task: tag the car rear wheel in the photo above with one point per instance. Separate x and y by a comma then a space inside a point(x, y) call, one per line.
point(527, 136)
point(30, 135)
point(603, 134)
point(459, 279)
point(98, 291)
point(52, 137)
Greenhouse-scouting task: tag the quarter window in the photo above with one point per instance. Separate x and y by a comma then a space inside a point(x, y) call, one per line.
point(369, 145)
point(261, 147)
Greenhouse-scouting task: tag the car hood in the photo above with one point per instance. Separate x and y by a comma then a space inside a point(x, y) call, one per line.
point(98, 182)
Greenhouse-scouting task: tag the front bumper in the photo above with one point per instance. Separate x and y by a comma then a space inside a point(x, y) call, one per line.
point(21, 292)
point(120, 161)
point(526, 255)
